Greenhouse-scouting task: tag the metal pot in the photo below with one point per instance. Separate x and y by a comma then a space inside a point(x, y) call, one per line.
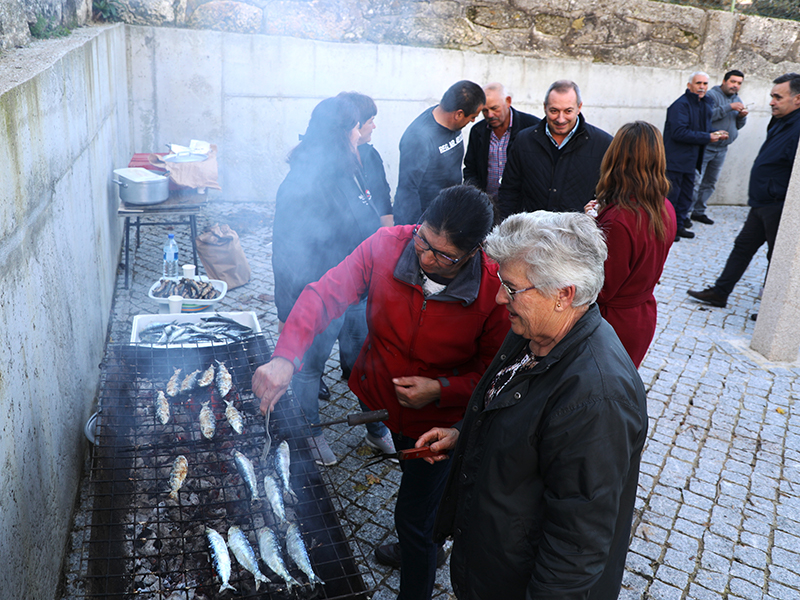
point(141, 186)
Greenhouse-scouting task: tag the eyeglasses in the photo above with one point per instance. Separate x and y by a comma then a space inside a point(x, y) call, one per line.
point(439, 257)
point(511, 293)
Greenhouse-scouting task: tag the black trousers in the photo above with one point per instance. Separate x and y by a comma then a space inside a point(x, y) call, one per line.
point(681, 191)
point(760, 226)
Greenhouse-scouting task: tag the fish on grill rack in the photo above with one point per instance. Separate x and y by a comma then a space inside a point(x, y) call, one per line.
point(220, 558)
point(208, 422)
point(248, 473)
point(272, 489)
point(189, 382)
point(271, 555)
point(297, 550)
point(173, 387)
point(162, 407)
point(243, 551)
point(177, 476)
point(224, 381)
point(283, 461)
point(207, 378)
point(234, 417)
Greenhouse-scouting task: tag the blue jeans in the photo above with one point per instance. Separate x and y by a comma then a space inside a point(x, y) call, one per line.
point(352, 335)
point(421, 489)
point(305, 383)
point(680, 194)
point(707, 177)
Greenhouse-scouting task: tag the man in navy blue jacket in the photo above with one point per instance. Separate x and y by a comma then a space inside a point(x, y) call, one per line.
point(687, 130)
point(769, 180)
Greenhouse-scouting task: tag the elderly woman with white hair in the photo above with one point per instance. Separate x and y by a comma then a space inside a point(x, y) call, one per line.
point(541, 492)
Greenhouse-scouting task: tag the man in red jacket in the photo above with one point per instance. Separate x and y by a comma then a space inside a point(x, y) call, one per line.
point(434, 327)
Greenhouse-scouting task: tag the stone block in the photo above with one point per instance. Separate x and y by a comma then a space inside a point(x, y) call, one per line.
point(227, 15)
point(153, 12)
point(499, 17)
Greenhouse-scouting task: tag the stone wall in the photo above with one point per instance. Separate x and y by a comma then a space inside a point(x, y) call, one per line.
point(16, 15)
point(64, 122)
point(621, 32)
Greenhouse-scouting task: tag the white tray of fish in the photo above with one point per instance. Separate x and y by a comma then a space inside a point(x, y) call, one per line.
point(197, 330)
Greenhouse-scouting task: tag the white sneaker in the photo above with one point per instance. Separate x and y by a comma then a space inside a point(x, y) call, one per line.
point(322, 453)
point(385, 444)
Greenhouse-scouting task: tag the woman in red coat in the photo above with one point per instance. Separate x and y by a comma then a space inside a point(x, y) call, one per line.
point(639, 224)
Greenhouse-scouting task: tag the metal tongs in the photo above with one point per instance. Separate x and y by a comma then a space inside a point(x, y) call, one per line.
point(409, 454)
point(268, 442)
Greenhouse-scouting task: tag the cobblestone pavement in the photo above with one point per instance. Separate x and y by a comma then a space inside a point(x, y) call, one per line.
point(718, 511)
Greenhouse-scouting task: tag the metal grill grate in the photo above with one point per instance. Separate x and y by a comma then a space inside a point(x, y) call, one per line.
point(145, 544)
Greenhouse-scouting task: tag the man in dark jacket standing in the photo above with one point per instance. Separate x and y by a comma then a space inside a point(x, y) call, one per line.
point(432, 150)
point(554, 165)
point(491, 139)
point(769, 180)
point(687, 130)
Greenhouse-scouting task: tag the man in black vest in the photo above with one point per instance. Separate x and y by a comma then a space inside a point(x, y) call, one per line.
point(491, 139)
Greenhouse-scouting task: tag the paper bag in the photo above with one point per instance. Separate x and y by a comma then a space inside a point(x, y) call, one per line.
point(222, 255)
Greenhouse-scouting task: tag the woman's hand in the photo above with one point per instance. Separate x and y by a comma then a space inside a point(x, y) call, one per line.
point(591, 208)
point(441, 440)
point(270, 382)
point(416, 392)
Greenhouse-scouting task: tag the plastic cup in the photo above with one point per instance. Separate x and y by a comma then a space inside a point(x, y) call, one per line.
point(188, 271)
point(175, 304)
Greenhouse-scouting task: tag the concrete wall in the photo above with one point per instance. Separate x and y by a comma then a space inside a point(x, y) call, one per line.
point(252, 95)
point(63, 125)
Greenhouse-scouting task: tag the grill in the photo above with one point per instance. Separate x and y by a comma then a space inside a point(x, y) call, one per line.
point(145, 544)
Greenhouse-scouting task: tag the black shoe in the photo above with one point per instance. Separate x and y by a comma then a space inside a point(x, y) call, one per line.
point(685, 234)
point(324, 392)
point(687, 224)
point(677, 238)
point(389, 555)
point(345, 374)
point(702, 219)
point(754, 317)
point(709, 296)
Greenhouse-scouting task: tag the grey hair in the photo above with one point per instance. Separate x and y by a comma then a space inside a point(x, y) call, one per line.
point(559, 250)
point(695, 74)
point(562, 86)
point(497, 87)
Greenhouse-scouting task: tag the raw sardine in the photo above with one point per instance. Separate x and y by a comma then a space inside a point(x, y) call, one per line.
point(190, 382)
point(220, 558)
point(176, 478)
point(237, 542)
point(173, 387)
point(207, 378)
point(208, 422)
point(271, 555)
point(234, 417)
point(162, 407)
point(297, 550)
point(224, 381)
point(282, 463)
point(272, 489)
point(248, 473)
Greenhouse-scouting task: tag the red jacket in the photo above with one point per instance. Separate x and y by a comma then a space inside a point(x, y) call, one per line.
point(633, 267)
point(452, 336)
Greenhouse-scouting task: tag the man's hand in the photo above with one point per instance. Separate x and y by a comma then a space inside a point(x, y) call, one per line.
point(738, 107)
point(416, 392)
point(440, 439)
point(270, 382)
point(719, 135)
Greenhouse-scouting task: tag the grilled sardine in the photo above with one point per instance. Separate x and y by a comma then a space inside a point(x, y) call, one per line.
point(178, 475)
point(190, 382)
point(271, 555)
point(220, 558)
point(162, 407)
point(297, 550)
point(272, 489)
point(173, 387)
point(248, 473)
point(243, 551)
point(283, 461)
point(207, 378)
point(234, 417)
point(224, 381)
point(208, 422)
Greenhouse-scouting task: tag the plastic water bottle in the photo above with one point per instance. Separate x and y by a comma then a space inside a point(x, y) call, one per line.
point(171, 257)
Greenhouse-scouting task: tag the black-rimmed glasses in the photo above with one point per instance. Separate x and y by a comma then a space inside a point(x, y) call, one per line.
point(438, 255)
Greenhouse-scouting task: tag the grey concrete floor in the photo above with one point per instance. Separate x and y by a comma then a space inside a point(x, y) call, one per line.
point(718, 511)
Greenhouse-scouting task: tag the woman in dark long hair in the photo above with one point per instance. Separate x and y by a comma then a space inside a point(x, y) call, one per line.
point(639, 224)
point(322, 213)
